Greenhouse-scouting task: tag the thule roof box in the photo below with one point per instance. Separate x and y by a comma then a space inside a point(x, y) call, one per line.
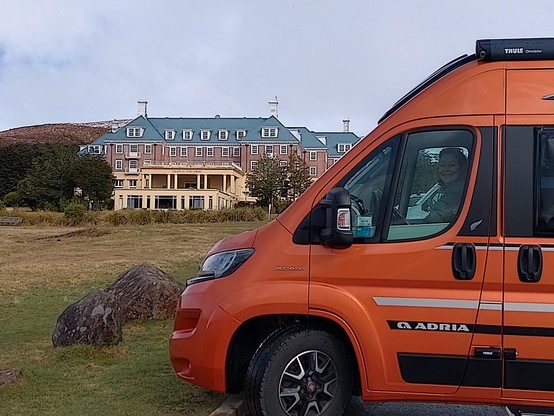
point(515, 49)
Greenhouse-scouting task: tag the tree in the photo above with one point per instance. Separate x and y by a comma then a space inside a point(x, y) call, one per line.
point(17, 161)
point(267, 180)
point(93, 176)
point(298, 177)
point(49, 181)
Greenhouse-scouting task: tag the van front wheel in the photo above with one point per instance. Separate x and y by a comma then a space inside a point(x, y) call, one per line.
point(300, 371)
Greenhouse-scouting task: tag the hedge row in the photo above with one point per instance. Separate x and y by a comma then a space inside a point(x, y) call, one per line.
point(74, 215)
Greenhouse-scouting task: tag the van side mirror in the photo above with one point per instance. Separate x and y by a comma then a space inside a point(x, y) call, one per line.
point(337, 232)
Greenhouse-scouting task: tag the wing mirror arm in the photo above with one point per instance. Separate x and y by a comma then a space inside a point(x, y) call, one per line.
point(337, 232)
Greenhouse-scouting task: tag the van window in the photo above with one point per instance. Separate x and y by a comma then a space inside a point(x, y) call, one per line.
point(529, 181)
point(544, 180)
point(432, 183)
point(367, 183)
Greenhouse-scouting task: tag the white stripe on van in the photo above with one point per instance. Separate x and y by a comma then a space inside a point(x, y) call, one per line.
point(464, 304)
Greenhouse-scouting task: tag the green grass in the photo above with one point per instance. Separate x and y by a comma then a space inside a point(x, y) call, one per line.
point(43, 270)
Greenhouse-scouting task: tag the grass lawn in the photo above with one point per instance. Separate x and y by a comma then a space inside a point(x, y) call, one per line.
point(44, 269)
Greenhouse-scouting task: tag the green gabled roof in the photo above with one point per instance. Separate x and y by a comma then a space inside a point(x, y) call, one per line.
point(155, 128)
point(149, 135)
point(154, 132)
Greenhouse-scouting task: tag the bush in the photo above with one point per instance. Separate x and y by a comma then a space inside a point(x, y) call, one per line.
point(74, 213)
point(12, 199)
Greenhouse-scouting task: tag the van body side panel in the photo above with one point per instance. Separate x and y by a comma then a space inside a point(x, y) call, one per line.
point(530, 91)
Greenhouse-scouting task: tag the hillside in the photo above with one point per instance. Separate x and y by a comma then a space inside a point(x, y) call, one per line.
point(55, 133)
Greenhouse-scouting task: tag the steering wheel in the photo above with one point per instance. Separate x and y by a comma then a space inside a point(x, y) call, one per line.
point(375, 202)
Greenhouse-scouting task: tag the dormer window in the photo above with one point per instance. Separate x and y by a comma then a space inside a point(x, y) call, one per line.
point(269, 132)
point(223, 135)
point(134, 131)
point(170, 134)
point(343, 147)
point(205, 135)
point(241, 134)
point(187, 134)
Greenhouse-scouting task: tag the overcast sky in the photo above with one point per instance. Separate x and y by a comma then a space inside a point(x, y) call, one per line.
point(325, 60)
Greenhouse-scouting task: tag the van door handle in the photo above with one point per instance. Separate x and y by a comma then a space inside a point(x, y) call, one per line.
point(529, 261)
point(463, 261)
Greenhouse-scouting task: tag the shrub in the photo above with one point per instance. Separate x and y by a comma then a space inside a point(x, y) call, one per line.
point(74, 213)
point(12, 199)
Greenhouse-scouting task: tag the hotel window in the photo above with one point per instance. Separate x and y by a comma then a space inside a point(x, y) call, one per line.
point(253, 164)
point(148, 149)
point(119, 164)
point(118, 183)
point(269, 150)
point(225, 151)
point(119, 148)
point(196, 202)
point(283, 149)
point(134, 131)
point(205, 135)
point(132, 183)
point(269, 132)
point(134, 201)
point(241, 134)
point(172, 151)
point(313, 171)
point(147, 162)
point(236, 151)
point(183, 151)
point(133, 148)
point(187, 134)
point(223, 135)
point(198, 151)
point(313, 155)
point(170, 134)
point(133, 165)
point(209, 151)
point(254, 149)
point(283, 163)
point(165, 202)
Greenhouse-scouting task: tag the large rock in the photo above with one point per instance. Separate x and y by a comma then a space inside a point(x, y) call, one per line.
point(95, 319)
point(146, 292)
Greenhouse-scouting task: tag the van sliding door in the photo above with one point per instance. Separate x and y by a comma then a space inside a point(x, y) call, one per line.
point(528, 332)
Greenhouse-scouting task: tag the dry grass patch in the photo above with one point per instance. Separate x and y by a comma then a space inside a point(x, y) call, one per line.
point(44, 269)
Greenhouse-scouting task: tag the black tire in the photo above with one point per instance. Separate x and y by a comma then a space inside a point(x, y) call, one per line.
point(300, 371)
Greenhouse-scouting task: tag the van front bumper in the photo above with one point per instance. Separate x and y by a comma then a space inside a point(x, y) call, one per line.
point(202, 333)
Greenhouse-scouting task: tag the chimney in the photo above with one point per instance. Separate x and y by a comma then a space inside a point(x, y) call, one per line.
point(143, 108)
point(115, 126)
point(346, 125)
point(273, 108)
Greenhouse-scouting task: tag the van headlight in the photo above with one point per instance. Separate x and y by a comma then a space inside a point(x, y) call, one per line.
point(221, 264)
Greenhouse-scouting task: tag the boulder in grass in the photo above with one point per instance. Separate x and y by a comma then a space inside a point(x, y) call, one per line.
point(146, 292)
point(94, 320)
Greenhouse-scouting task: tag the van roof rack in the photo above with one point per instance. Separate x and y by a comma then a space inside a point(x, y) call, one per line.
point(515, 49)
point(488, 50)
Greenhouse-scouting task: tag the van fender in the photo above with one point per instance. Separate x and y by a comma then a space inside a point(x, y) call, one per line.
point(347, 311)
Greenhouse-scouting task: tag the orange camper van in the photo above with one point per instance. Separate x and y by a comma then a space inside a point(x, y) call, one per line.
point(348, 293)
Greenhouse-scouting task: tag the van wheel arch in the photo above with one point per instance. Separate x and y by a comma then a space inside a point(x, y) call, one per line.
point(255, 332)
